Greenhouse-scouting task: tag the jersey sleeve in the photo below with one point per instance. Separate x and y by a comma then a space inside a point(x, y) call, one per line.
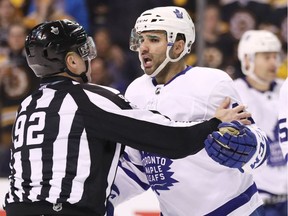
point(130, 179)
point(226, 88)
point(283, 119)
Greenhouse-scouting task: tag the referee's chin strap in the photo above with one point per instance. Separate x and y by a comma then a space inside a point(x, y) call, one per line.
point(83, 75)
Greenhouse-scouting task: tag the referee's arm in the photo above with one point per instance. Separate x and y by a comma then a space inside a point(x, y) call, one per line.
point(143, 129)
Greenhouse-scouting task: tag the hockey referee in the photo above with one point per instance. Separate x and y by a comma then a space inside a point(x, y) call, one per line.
point(68, 135)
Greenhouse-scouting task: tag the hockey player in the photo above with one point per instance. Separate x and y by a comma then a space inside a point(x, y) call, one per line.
point(67, 134)
point(283, 120)
point(259, 54)
point(194, 185)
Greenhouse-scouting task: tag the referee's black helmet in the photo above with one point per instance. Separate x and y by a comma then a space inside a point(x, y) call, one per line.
point(48, 43)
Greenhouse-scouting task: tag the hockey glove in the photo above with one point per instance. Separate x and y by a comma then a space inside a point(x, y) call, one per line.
point(232, 146)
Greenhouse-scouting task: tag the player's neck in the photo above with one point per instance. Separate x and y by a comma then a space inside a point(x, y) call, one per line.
point(258, 86)
point(169, 71)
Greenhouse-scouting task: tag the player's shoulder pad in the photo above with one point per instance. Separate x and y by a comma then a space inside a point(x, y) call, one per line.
point(139, 83)
point(240, 83)
point(278, 84)
point(211, 73)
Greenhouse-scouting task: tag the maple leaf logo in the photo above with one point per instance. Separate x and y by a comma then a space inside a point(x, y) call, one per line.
point(55, 30)
point(158, 172)
point(178, 14)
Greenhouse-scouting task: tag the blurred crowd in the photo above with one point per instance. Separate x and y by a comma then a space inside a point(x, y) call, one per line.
point(109, 22)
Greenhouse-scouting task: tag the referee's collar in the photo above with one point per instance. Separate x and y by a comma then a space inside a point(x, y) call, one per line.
point(53, 79)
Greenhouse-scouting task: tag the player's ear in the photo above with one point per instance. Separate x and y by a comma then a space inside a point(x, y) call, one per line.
point(247, 62)
point(178, 47)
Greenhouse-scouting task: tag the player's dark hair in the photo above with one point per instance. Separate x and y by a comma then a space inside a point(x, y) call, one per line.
point(180, 37)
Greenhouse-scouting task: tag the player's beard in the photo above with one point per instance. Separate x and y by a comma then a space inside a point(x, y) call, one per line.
point(162, 75)
point(155, 65)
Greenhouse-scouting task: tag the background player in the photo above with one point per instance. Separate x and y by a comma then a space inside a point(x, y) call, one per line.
point(259, 54)
point(283, 119)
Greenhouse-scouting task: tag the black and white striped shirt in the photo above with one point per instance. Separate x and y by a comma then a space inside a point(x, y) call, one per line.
point(66, 146)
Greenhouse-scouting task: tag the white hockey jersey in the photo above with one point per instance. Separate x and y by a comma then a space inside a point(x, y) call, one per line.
point(195, 185)
point(283, 119)
point(270, 178)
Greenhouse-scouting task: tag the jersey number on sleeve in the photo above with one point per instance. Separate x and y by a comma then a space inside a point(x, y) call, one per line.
point(283, 131)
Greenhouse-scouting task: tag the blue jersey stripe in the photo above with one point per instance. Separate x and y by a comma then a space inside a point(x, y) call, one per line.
point(235, 203)
point(139, 167)
point(135, 178)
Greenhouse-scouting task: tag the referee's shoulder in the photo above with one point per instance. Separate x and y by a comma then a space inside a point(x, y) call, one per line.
point(99, 88)
point(99, 92)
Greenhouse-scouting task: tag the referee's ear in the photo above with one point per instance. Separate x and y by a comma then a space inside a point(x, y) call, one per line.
point(72, 61)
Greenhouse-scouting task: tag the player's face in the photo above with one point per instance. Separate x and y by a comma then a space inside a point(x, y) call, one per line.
point(266, 65)
point(152, 50)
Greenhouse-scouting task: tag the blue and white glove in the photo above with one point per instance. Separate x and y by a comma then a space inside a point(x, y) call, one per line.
point(232, 146)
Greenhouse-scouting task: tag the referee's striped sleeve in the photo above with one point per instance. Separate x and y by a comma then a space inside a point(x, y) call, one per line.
point(143, 129)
